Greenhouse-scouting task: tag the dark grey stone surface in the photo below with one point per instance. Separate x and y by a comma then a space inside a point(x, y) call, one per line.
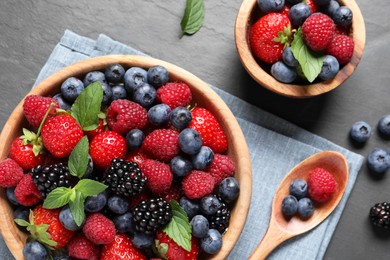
point(30, 29)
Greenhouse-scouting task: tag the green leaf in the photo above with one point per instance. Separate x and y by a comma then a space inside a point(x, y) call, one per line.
point(87, 106)
point(57, 198)
point(311, 62)
point(179, 228)
point(78, 159)
point(90, 187)
point(77, 208)
point(193, 17)
point(22, 222)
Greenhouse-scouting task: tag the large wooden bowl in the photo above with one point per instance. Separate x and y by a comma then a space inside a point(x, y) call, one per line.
point(203, 95)
point(248, 15)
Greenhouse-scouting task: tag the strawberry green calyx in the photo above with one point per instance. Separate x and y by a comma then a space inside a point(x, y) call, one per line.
point(285, 37)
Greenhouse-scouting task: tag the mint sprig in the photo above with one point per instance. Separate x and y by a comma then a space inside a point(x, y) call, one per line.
point(78, 159)
point(193, 17)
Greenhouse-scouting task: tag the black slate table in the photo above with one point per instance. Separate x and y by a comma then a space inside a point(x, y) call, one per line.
point(30, 29)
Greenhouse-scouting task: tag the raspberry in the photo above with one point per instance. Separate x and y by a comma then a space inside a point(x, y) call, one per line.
point(10, 173)
point(197, 184)
point(317, 31)
point(159, 175)
point(161, 144)
point(321, 185)
point(26, 192)
point(341, 47)
point(175, 94)
point(221, 167)
point(124, 115)
point(99, 229)
point(35, 107)
point(174, 193)
point(81, 248)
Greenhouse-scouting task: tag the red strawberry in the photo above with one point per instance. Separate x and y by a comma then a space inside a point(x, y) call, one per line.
point(285, 10)
point(60, 134)
point(170, 250)
point(209, 129)
point(341, 47)
point(99, 229)
point(26, 193)
point(175, 94)
point(81, 248)
point(221, 167)
point(161, 144)
point(56, 230)
point(124, 115)
point(197, 184)
point(10, 173)
point(121, 249)
point(35, 107)
point(25, 154)
point(105, 147)
point(159, 175)
point(92, 133)
point(313, 6)
point(317, 31)
point(321, 185)
point(263, 33)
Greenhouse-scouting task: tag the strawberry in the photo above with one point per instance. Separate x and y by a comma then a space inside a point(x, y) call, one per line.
point(321, 185)
point(25, 153)
point(175, 94)
point(285, 10)
point(221, 167)
point(317, 31)
point(159, 175)
point(209, 129)
point(121, 249)
point(99, 229)
point(92, 133)
point(269, 35)
point(197, 184)
point(60, 134)
point(313, 6)
point(161, 144)
point(169, 249)
point(35, 107)
point(105, 147)
point(81, 248)
point(136, 156)
point(341, 47)
point(10, 173)
point(26, 193)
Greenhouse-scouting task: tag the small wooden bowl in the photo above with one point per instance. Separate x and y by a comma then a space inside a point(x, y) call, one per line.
point(248, 15)
point(204, 97)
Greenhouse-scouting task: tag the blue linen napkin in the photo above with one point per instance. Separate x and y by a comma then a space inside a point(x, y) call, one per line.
point(275, 146)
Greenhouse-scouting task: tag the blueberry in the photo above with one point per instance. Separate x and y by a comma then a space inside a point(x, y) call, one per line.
point(134, 139)
point(210, 204)
point(180, 166)
point(71, 89)
point(342, 16)
point(134, 78)
point(107, 94)
point(158, 76)
point(321, 2)
point(94, 76)
point(117, 204)
point(124, 223)
point(384, 125)
point(159, 114)
point(62, 102)
point(330, 67)
point(330, 8)
point(378, 160)
point(200, 226)
point(180, 117)
point(268, 6)
point(145, 95)
point(228, 189)
point(95, 203)
point(289, 205)
point(298, 14)
point(190, 141)
point(10, 193)
point(305, 207)
point(282, 72)
point(191, 207)
point(212, 243)
point(114, 73)
point(203, 159)
point(118, 92)
point(67, 219)
point(142, 241)
point(360, 131)
point(288, 58)
point(34, 251)
point(22, 212)
point(298, 188)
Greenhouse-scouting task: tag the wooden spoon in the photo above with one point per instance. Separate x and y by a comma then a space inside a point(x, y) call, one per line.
point(281, 228)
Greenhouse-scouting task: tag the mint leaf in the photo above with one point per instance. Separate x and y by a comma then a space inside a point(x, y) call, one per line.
point(310, 61)
point(193, 17)
point(89, 187)
point(76, 207)
point(179, 228)
point(57, 198)
point(78, 159)
point(87, 106)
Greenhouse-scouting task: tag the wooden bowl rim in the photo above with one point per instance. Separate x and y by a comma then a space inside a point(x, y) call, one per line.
point(293, 90)
point(238, 148)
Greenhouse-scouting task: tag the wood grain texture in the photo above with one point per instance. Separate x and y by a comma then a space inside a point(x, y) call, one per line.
point(203, 95)
point(248, 14)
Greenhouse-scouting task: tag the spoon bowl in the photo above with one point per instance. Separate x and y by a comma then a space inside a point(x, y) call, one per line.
point(282, 228)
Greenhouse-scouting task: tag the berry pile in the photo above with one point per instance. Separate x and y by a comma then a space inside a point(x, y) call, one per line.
point(303, 41)
point(120, 163)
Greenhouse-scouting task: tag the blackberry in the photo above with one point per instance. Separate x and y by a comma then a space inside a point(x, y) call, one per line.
point(380, 215)
point(125, 178)
point(220, 219)
point(47, 178)
point(151, 214)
